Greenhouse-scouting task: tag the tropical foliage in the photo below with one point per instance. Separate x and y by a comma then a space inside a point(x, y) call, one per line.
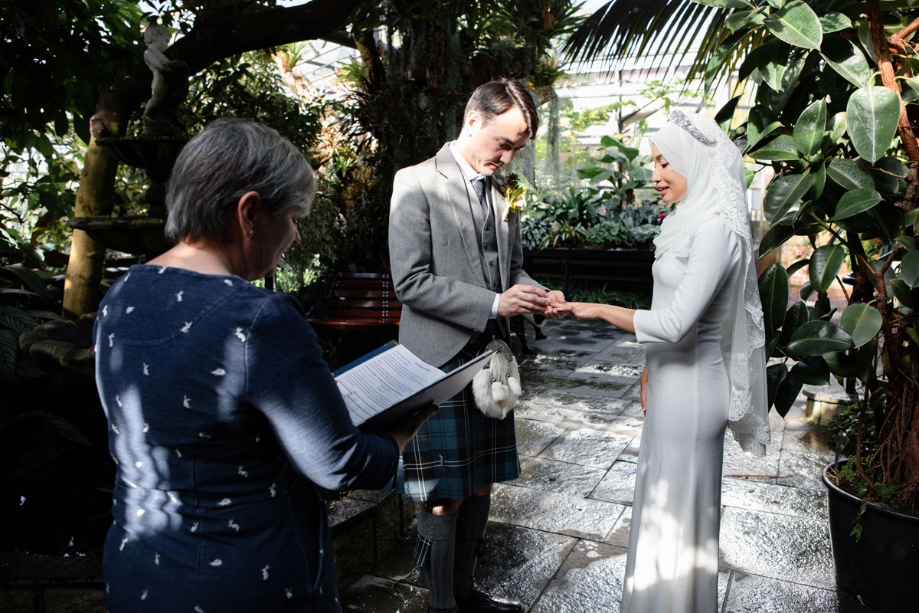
point(828, 118)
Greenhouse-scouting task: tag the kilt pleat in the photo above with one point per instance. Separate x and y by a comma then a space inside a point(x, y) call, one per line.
point(459, 449)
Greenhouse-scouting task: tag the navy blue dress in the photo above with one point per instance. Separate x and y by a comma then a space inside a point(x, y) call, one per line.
point(224, 421)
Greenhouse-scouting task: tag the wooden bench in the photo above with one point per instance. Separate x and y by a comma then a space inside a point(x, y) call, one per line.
point(359, 299)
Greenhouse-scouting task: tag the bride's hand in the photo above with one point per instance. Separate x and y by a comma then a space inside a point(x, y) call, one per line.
point(581, 310)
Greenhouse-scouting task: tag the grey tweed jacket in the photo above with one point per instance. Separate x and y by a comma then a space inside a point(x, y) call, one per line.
point(436, 261)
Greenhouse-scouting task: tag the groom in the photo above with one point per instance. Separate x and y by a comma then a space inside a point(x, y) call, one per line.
point(456, 262)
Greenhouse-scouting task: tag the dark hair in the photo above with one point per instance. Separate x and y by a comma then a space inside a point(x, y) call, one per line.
point(496, 97)
point(228, 158)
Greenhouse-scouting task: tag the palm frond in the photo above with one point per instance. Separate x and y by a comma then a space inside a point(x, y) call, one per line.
point(666, 31)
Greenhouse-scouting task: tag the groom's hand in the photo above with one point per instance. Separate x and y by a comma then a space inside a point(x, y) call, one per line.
point(521, 299)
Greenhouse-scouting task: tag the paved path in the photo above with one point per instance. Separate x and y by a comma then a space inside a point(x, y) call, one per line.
point(557, 536)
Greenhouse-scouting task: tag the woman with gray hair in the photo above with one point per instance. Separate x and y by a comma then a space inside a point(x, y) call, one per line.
point(224, 420)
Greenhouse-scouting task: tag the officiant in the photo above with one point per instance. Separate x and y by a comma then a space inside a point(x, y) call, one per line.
point(456, 260)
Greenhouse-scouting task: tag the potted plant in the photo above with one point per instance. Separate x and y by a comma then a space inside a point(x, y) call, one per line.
point(833, 115)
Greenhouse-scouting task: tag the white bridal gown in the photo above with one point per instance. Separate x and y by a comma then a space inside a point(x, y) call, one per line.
point(672, 561)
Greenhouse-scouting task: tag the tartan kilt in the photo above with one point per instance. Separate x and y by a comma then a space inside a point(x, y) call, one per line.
point(459, 449)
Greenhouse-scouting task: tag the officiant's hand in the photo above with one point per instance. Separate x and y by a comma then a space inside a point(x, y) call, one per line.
point(409, 428)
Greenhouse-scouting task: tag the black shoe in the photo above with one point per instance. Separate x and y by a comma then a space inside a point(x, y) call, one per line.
point(478, 602)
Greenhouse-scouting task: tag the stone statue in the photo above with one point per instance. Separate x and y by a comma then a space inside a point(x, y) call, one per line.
point(169, 87)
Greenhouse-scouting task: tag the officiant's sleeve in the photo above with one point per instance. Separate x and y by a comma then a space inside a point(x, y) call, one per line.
point(714, 253)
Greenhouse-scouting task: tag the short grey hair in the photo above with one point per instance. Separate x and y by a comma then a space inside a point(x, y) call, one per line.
point(230, 157)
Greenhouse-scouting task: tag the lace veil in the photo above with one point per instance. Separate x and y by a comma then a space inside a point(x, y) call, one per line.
point(700, 151)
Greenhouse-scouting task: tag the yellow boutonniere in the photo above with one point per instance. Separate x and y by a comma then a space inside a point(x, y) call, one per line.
point(514, 193)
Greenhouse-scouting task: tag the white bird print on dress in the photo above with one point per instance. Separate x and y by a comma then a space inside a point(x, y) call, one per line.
point(179, 296)
point(111, 340)
point(242, 472)
point(143, 595)
point(115, 429)
point(105, 311)
point(204, 435)
point(178, 453)
point(240, 335)
point(225, 502)
point(162, 270)
point(216, 562)
point(194, 527)
point(233, 525)
point(273, 489)
point(265, 572)
point(124, 542)
point(198, 609)
point(156, 558)
point(186, 327)
point(219, 372)
point(118, 400)
point(146, 369)
point(289, 592)
point(128, 310)
point(138, 464)
point(186, 402)
point(140, 512)
point(228, 282)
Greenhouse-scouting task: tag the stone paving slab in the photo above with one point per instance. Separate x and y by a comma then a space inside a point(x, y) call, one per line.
point(558, 535)
point(558, 513)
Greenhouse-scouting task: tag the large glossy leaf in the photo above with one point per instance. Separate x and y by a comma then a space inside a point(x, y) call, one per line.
point(824, 265)
point(846, 59)
point(775, 374)
point(812, 370)
point(836, 127)
point(849, 175)
point(873, 113)
point(907, 296)
point(861, 321)
point(834, 22)
point(842, 364)
point(773, 292)
point(909, 269)
point(776, 236)
point(784, 192)
point(810, 128)
point(855, 202)
point(819, 180)
point(725, 4)
point(795, 317)
point(761, 123)
point(787, 394)
point(780, 148)
point(797, 24)
point(738, 19)
point(818, 337)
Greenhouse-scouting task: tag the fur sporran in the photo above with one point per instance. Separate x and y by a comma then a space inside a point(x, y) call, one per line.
point(497, 386)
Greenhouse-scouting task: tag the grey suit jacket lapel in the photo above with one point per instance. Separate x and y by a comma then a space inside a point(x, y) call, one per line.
point(453, 194)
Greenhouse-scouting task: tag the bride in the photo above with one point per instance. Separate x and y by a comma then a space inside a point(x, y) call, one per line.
point(705, 367)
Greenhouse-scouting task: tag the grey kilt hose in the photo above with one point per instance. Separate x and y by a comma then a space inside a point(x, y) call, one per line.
point(459, 449)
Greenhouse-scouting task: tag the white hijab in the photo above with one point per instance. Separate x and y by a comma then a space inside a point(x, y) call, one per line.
point(700, 151)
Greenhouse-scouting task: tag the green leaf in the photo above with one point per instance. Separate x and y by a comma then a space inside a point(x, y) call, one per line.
point(798, 266)
point(31, 280)
point(864, 359)
point(819, 180)
point(907, 296)
point(824, 265)
point(761, 123)
point(784, 192)
point(726, 113)
point(909, 269)
point(787, 394)
point(7, 353)
point(842, 364)
point(16, 319)
point(797, 24)
point(873, 113)
point(834, 22)
point(726, 4)
point(776, 236)
point(847, 59)
point(812, 370)
point(818, 337)
point(739, 19)
point(836, 127)
point(810, 128)
point(781, 148)
point(861, 321)
point(775, 375)
point(796, 316)
point(854, 202)
point(849, 175)
point(773, 292)
point(66, 429)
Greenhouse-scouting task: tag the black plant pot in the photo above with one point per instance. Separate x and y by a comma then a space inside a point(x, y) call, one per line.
point(882, 567)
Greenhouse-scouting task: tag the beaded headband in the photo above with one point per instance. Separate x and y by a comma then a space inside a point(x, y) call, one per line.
point(677, 118)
